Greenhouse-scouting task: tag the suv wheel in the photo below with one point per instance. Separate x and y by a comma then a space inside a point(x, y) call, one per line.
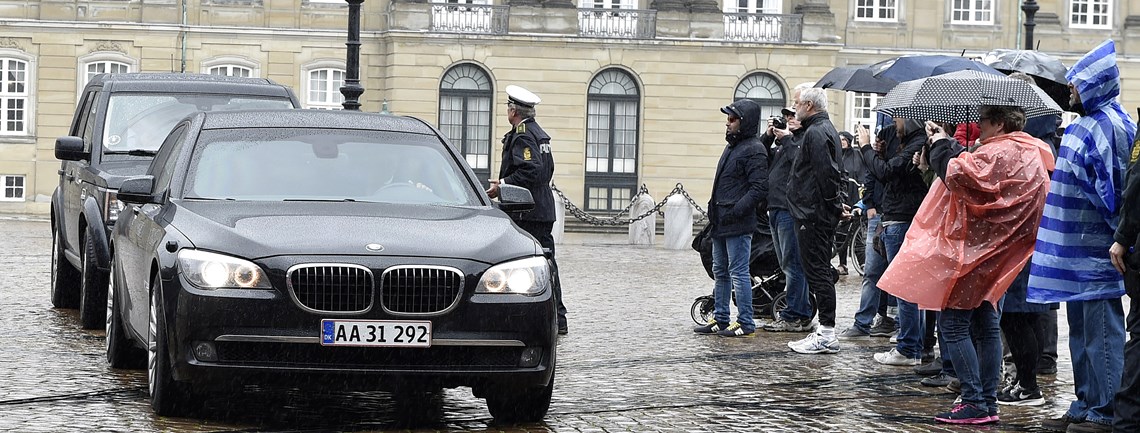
point(513, 405)
point(64, 277)
point(93, 291)
point(121, 353)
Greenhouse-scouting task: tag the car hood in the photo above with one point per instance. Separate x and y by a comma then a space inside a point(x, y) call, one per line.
point(255, 230)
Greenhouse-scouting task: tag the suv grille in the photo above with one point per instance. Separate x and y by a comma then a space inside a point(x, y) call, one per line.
point(332, 287)
point(420, 290)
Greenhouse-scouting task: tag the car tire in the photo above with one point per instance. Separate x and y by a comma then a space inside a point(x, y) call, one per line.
point(92, 290)
point(64, 277)
point(167, 396)
point(121, 352)
point(513, 405)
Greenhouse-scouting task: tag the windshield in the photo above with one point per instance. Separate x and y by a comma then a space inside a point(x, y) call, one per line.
point(140, 121)
point(325, 165)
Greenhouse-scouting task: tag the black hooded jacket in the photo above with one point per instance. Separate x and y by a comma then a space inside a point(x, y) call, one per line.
point(813, 188)
point(902, 183)
point(740, 187)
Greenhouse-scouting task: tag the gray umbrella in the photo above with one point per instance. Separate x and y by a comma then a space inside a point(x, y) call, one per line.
point(956, 96)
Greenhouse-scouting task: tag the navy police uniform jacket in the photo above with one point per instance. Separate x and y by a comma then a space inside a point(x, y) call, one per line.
point(527, 163)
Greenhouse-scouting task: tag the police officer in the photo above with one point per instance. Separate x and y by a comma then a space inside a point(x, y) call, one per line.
point(527, 162)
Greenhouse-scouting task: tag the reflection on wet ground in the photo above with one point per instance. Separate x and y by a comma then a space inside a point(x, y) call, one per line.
point(630, 363)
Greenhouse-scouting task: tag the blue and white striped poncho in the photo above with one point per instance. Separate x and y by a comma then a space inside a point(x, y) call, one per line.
point(1070, 260)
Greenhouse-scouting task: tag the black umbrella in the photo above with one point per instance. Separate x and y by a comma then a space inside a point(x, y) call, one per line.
point(1047, 71)
point(855, 79)
point(955, 97)
point(913, 67)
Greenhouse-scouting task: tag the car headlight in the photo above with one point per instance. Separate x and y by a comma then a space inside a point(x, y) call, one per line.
point(216, 271)
point(111, 206)
point(530, 276)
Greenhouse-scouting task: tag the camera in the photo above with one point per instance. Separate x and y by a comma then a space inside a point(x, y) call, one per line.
point(778, 122)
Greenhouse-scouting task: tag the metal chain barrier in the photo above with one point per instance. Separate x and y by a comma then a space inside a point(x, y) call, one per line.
point(617, 220)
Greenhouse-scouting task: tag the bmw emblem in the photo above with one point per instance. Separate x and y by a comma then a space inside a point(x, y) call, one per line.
point(374, 247)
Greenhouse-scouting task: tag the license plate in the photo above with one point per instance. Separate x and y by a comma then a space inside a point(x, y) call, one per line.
point(376, 333)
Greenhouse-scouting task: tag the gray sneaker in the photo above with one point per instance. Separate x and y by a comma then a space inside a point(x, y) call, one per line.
point(854, 333)
point(781, 325)
point(884, 327)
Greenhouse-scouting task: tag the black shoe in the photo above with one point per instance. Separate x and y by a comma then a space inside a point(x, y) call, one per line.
point(929, 369)
point(884, 327)
point(563, 330)
point(1018, 396)
point(941, 379)
point(1089, 427)
point(1058, 424)
point(1046, 369)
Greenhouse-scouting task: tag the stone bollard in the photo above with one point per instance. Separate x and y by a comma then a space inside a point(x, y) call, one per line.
point(643, 231)
point(678, 223)
point(559, 218)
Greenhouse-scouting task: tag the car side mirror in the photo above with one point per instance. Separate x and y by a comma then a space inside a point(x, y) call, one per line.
point(515, 199)
point(70, 148)
point(137, 190)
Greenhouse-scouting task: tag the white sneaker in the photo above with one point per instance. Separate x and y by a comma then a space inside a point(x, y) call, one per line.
point(893, 357)
point(816, 343)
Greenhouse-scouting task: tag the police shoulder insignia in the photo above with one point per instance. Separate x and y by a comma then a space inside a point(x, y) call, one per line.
point(521, 129)
point(1135, 151)
point(526, 153)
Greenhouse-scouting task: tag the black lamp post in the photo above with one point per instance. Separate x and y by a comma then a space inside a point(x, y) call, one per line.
point(1030, 8)
point(351, 89)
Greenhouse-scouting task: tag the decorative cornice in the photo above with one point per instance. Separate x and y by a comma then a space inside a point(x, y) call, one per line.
point(110, 46)
point(11, 43)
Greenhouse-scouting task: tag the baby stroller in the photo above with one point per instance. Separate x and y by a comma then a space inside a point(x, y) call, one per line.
point(768, 296)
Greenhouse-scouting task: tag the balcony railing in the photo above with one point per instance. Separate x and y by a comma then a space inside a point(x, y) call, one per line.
point(763, 27)
point(617, 23)
point(468, 18)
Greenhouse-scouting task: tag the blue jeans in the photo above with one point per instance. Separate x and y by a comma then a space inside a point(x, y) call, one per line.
point(873, 268)
point(973, 340)
point(783, 227)
point(730, 269)
point(1096, 343)
point(911, 326)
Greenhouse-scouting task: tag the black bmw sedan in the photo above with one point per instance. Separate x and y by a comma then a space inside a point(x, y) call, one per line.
point(326, 247)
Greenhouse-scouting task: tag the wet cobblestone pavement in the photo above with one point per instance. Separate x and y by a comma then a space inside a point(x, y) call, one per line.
point(630, 363)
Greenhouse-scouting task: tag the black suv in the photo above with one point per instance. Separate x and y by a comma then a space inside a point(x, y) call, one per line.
point(119, 124)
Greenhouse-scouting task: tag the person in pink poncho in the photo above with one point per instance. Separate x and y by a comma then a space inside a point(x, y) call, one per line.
point(972, 235)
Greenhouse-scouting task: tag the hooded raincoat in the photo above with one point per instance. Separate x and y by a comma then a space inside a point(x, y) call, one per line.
point(975, 230)
point(1070, 261)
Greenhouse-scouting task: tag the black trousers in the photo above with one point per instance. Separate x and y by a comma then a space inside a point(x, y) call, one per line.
point(541, 232)
point(1049, 343)
point(1127, 417)
point(816, 241)
point(1024, 334)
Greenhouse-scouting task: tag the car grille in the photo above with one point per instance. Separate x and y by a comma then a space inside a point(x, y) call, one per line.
point(332, 287)
point(314, 355)
point(420, 289)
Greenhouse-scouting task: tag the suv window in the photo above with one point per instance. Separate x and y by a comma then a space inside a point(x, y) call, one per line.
point(140, 121)
point(87, 125)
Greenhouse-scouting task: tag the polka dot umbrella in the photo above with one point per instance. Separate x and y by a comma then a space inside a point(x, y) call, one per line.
point(955, 97)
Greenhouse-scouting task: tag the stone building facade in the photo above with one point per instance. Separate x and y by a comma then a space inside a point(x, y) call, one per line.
point(630, 88)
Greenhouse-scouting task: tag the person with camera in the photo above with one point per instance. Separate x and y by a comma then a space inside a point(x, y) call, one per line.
point(797, 317)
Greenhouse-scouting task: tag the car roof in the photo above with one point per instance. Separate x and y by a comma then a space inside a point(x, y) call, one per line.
point(198, 83)
point(307, 118)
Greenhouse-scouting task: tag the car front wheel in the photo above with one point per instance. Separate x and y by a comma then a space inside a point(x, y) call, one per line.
point(64, 277)
point(520, 405)
point(93, 292)
point(167, 397)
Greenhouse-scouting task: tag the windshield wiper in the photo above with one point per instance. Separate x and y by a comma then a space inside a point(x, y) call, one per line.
point(132, 152)
point(336, 200)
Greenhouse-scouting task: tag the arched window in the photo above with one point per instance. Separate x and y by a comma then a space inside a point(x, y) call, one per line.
point(103, 62)
point(765, 90)
point(612, 134)
point(322, 83)
point(232, 66)
point(465, 94)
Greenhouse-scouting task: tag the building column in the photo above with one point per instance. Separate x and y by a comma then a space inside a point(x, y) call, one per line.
point(818, 21)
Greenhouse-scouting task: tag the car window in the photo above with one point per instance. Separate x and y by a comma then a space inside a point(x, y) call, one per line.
point(140, 121)
point(88, 123)
point(162, 168)
point(326, 164)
